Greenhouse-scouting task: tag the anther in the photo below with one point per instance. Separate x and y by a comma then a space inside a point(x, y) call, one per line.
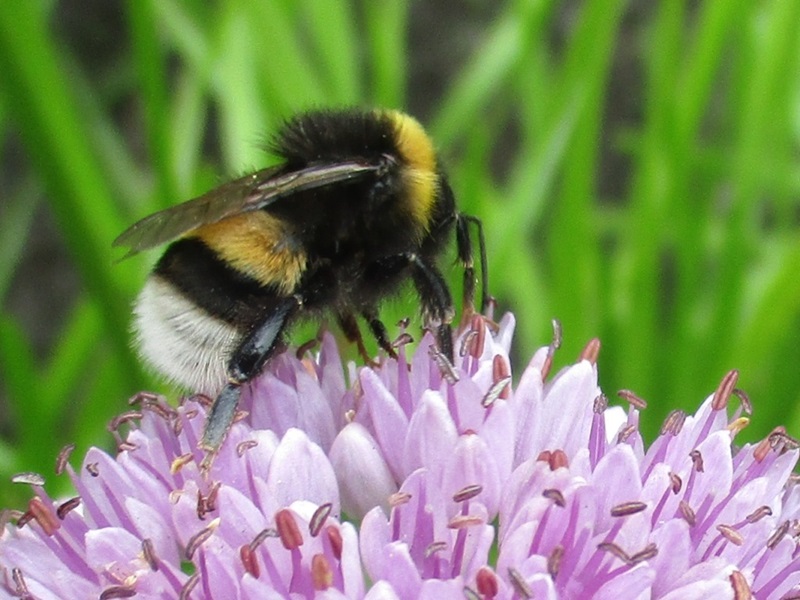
point(126, 417)
point(149, 554)
point(68, 506)
point(558, 334)
point(446, 368)
point(600, 404)
point(44, 516)
point(633, 399)
point(486, 582)
point(467, 342)
point(435, 547)
point(28, 478)
point(758, 514)
point(724, 390)
point(673, 423)
point(467, 493)
point(501, 375)
point(20, 587)
point(402, 340)
point(651, 551)
point(747, 406)
point(697, 460)
point(556, 496)
point(464, 521)
point(24, 519)
point(782, 442)
point(558, 459)
point(144, 398)
point(730, 534)
point(778, 535)
point(478, 325)
point(117, 591)
point(249, 560)
point(398, 499)
point(63, 458)
point(470, 594)
point(741, 589)
point(555, 459)
point(520, 585)
point(180, 462)
point(628, 508)
point(687, 512)
point(318, 518)
point(737, 425)
point(554, 560)
point(615, 550)
point(263, 535)
point(321, 572)
point(499, 389)
point(244, 446)
point(335, 538)
point(625, 433)
point(676, 482)
point(288, 531)
point(591, 351)
point(199, 538)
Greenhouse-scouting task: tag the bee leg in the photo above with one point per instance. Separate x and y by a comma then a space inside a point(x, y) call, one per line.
point(465, 257)
point(378, 329)
point(437, 305)
point(349, 326)
point(245, 363)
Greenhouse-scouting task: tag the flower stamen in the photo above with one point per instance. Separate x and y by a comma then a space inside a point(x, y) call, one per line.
point(67, 506)
point(199, 538)
point(554, 560)
point(149, 554)
point(591, 351)
point(486, 582)
point(250, 560)
point(321, 572)
point(467, 493)
point(520, 585)
point(63, 458)
point(117, 591)
point(318, 518)
point(189, 586)
point(634, 400)
point(44, 516)
point(244, 446)
point(556, 496)
point(288, 531)
point(628, 508)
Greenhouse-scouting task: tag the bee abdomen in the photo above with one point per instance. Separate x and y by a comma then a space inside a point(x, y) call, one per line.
point(193, 313)
point(182, 340)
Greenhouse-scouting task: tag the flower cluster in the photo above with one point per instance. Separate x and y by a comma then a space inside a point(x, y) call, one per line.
point(418, 479)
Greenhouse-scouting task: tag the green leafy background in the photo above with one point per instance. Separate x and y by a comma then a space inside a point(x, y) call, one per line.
point(635, 166)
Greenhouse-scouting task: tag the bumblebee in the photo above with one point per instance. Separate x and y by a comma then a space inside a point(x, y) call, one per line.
point(357, 205)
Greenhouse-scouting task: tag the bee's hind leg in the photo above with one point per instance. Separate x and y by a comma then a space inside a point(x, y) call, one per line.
point(245, 363)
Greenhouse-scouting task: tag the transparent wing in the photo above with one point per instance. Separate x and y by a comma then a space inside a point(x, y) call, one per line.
point(247, 193)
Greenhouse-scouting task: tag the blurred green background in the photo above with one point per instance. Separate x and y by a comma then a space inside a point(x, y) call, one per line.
point(635, 165)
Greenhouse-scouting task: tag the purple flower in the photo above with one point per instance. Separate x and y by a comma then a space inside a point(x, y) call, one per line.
point(419, 479)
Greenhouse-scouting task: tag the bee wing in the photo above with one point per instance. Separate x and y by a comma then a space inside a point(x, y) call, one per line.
point(245, 194)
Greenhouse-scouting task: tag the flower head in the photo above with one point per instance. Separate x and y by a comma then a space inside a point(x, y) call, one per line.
point(422, 478)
